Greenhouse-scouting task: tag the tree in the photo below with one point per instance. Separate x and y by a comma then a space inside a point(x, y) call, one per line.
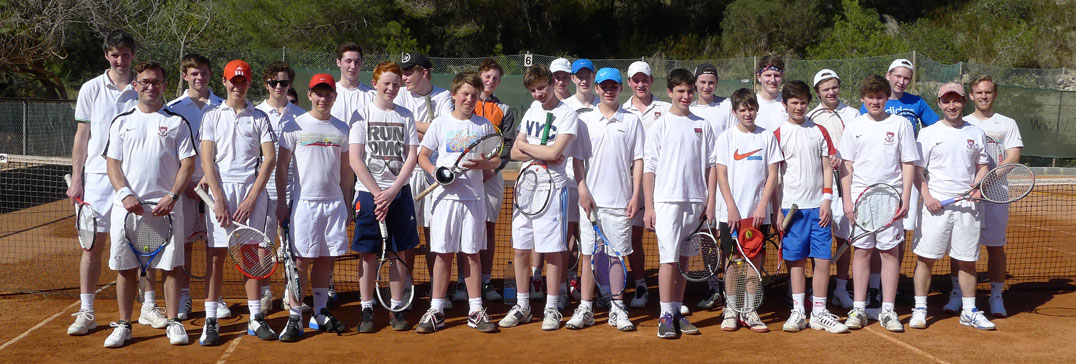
point(752, 27)
point(857, 32)
point(33, 34)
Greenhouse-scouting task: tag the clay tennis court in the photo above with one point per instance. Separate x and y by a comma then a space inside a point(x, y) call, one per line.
point(38, 260)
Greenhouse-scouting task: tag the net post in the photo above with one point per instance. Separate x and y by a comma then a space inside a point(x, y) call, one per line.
point(26, 127)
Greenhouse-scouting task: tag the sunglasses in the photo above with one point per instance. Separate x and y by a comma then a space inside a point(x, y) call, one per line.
point(281, 83)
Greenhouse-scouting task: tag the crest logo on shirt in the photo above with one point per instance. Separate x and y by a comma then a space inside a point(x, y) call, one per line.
point(657, 115)
point(971, 144)
point(698, 131)
point(162, 131)
point(889, 136)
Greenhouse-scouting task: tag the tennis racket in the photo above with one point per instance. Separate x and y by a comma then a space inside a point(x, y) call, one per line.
point(700, 257)
point(912, 117)
point(250, 249)
point(995, 152)
point(85, 221)
point(573, 251)
point(394, 282)
point(876, 209)
point(1004, 184)
point(533, 190)
point(197, 243)
point(607, 263)
point(485, 147)
point(774, 242)
point(292, 288)
point(743, 282)
point(147, 235)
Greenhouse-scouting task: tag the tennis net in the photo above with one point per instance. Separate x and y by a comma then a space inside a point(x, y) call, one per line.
point(39, 252)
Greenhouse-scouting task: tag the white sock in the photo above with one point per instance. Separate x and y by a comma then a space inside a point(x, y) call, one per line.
point(438, 304)
point(255, 307)
point(666, 307)
point(587, 305)
point(797, 301)
point(887, 306)
point(474, 304)
point(149, 298)
point(86, 300)
point(523, 299)
point(818, 304)
point(921, 302)
point(876, 280)
point(996, 288)
point(368, 304)
point(956, 284)
point(968, 303)
point(211, 309)
point(842, 285)
point(321, 298)
point(486, 278)
point(859, 304)
point(617, 304)
point(392, 303)
point(551, 301)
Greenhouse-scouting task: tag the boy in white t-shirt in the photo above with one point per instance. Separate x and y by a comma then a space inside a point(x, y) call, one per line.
point(877, 147)
point(458, 220)
point(383, 152)
point(611, 143)
point(99, 101)
point(150, 157)
point(544, 232)
point(832, 113)
point(953, 155)
point(806, 181)
point(770, 73)
point(324, 181)
point(561, 68)
point(676, 177)
point(238, 153)
point(352, 95)
point(747, 157)
point(995, 217)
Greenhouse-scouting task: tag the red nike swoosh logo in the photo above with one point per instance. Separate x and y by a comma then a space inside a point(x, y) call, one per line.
point(737, 156)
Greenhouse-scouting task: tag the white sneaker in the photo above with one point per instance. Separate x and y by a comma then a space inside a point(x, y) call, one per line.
point(730, 321)
point(997, 307)
point(976, 319)
point(461, 292)
point(516, 316)
point(222, 309)
point(857, 319)
point(919, 318)
point(621, 320)
point(842, 299)
point(152, 316)
point(84, 322)
point(797, 321)
point(889, 320)
point(184, 308)
point(120, 335)
point(684, 311)
point(954, 304)
point(581, 318)
point(551, 320)
point(177, 334)
point(825, 320)
point(267, 299)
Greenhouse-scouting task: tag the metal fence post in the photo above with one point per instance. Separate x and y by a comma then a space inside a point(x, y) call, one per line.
point(284, 54)
point(25, 127)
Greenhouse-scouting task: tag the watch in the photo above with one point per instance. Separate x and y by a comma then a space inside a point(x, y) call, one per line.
point(174, 196)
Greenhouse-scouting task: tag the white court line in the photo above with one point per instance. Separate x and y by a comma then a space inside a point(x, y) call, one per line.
point(231, 348)
point(906, 345)
point(53, 317)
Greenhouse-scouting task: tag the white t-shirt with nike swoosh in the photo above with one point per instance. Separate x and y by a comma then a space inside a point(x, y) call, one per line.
point(747, 157)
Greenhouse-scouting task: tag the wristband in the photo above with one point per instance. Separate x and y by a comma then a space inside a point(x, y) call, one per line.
point(123, 193)
point(827, 196)
point(827, 190)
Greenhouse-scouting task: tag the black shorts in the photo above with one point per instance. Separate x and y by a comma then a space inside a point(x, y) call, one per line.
point(403, 230)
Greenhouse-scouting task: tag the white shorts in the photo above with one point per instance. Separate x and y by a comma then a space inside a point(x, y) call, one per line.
point(673, 222)
point(955, 228)
point(912, 218)
point(545, 232)
point(573, 203)
point(233, 194)
point(885, 239)
point(121, 257)
point(423, 210)
point(995, 223)
point(494, 188)
point(98, 192)
point(614, 224)
point(841, 224)
point(319, 228)
point(458, 227)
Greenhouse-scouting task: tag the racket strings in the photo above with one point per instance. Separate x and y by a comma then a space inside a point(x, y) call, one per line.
point(994, 152)
point(1007, 183)
point(876, 208)
point(393, 284)
point(252, 252)
point(743, 287)
point(532, 192)
point(698, 256)
point(148, 233)
point(86, 225)
point(609, 272)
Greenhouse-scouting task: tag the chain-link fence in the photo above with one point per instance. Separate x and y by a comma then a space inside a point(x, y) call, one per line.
point(1041, 100)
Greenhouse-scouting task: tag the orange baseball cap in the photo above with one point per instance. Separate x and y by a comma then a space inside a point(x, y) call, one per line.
point(236, 68)
point(322, 79)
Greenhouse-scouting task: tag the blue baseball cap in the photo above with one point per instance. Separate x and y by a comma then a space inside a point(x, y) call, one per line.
point(581, 64)
point(608, 74)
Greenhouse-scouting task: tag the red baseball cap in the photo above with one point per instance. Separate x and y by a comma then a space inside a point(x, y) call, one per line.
point(236, 68)
point(322, 79)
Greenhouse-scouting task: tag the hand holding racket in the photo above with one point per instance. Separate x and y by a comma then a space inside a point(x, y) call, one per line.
point(85, 220)
point(1004, 184)
point(876, 208)
point(473, 156)
point(250, 249)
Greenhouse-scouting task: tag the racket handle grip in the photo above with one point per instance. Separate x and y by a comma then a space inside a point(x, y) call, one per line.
point(204, 195)
point(948, 202)
point(384, 229)
point(788, 217)
point(427, 191)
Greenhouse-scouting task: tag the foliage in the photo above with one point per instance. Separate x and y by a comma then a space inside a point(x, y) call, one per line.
point(857, 32)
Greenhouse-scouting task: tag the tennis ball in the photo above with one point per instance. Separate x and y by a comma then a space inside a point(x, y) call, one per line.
point(748, 234)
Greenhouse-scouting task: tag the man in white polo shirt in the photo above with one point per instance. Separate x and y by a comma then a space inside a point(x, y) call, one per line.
point(99, 100)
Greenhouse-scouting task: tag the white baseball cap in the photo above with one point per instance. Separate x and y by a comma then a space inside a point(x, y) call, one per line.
point(823, 75)
point(637, 67)
point(560, 65)
point(901, 62)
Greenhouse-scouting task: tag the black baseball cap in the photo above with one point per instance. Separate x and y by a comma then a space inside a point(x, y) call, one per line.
point(705, 69)
point(412, 59)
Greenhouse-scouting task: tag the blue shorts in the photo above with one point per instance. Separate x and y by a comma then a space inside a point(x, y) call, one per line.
point(403, 230)
point(805, 239)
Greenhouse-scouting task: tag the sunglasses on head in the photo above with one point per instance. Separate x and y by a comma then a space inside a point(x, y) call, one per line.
point(281, 83)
